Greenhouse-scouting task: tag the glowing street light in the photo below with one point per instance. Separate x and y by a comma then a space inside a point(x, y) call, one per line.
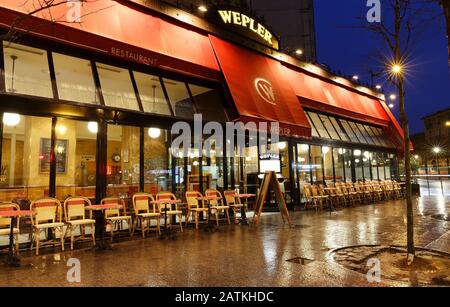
point(299, 52)
point(355, 77)
point(396, 69)
point(391, 105)
point(378, 87)
point(393, 97)
point(436, 150)
point(202, 9)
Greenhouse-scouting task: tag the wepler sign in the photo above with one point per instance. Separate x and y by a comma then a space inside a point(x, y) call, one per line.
point(246, 25)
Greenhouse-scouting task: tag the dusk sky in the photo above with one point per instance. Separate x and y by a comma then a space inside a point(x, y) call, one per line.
point(347, 49)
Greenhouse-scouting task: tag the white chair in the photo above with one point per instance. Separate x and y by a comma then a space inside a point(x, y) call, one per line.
point(172, 209)
point(193, 207)
point(145, 211)
point(114, 217)
point(48, 216)
point(217, 204)
point(75, 216)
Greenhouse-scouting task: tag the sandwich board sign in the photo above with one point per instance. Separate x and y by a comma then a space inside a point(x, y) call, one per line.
point(270, 183)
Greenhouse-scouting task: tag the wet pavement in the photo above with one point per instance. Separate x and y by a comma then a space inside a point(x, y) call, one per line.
point(245, 256)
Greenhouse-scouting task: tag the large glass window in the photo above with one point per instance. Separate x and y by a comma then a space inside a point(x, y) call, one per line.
point(179, 98)
point(328, 164)
point(213, 168)
point(314, 132)
point(365, 134)
point(373, 136)
point(319, 126)
point(208, 103)
point(358, 162)
point(117, 87)
point(151, 94)
point(74, 79)
point(157, 171)
point(339, 130)
point(348, 164)
point(338, 154)
point(316, 164)
point(26, 70)
point(329, 126)
point(25, 157)
point(366, 165)
point(349, 131)
point(381, 168)
point(357, 132)
point(374, 165)
point(250, 169)
point(76, 149)
point(123, 161)
point(303, 166)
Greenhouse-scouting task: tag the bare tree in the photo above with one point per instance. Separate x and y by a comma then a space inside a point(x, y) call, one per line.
point(43, 8)
point(397, 31)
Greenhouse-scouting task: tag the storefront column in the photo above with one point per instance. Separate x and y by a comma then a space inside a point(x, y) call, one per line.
point(141, 159)
point(52, 180)
point(290, 146)
point(352, 165)
point(100, 179)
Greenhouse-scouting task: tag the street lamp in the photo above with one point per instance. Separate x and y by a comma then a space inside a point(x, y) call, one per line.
point(355, 77)
point(202, 9)
point(436, 150)
point(299, 52)
point(378, 87)
point(397, 69)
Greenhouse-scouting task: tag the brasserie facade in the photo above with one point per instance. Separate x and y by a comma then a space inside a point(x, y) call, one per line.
point(88, 106)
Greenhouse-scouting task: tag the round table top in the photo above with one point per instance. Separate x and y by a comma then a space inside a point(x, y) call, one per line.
point(166, 201)
point(245, 195)
point(209, 198)
point(15, 213)
point(103, 207)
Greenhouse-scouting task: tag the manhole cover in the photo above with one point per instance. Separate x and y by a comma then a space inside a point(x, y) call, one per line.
point(442, 217)
point(300, 260)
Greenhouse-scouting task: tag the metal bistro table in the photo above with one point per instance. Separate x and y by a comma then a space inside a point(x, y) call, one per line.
point(100, 224)
point(243, 220)
point(167, 233)
point(13, 259)
point(208, 200)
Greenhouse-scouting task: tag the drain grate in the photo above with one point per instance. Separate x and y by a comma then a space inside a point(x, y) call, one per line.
point(300, 260)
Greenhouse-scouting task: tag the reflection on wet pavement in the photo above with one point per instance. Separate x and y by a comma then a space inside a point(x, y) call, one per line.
point(245, 256)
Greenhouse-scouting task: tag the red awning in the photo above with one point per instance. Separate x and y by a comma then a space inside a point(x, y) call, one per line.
point(260, 89)
point(324, 96)
point(114, 28)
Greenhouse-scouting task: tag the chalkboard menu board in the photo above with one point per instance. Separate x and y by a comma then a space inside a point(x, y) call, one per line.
point(60, 155)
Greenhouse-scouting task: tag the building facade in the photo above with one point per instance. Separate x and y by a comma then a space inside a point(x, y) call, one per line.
point(432, 148)
point(291, 20)
point(88, 106)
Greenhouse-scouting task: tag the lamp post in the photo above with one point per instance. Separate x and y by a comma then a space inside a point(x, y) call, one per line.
point(436, 151)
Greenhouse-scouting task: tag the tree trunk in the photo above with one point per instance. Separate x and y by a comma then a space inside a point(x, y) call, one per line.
point(404, 123)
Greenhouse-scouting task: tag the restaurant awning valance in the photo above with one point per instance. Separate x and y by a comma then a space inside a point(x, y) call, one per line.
point(259, 89)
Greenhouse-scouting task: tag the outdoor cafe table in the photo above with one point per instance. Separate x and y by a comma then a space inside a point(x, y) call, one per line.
point(13, 259)
point(100, 223)
point(243, 219)
point(165, 202)
point(208, 200)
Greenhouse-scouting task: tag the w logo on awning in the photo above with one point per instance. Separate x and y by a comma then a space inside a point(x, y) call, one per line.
point(265, 90)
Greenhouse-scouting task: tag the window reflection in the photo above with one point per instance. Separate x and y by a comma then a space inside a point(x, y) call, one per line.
point(151, 94)
point(208, 103)
point(116, 87)
point(26, 70)
point(338, 154)
point(74, 79)
point(316, 164)
point(179, 98)
point(157, 171)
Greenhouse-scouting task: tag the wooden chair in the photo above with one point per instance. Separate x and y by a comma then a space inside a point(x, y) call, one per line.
point(75, 216)
point(145, 211)
point(172, 208)
point(116, 217)
point(217, 205)
point(341, 197)
point(48, 216)
point(233, 202)
point(377, 191)
point(317, 198)
point(5, 223)
point(193, 207)
point(307, 195)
